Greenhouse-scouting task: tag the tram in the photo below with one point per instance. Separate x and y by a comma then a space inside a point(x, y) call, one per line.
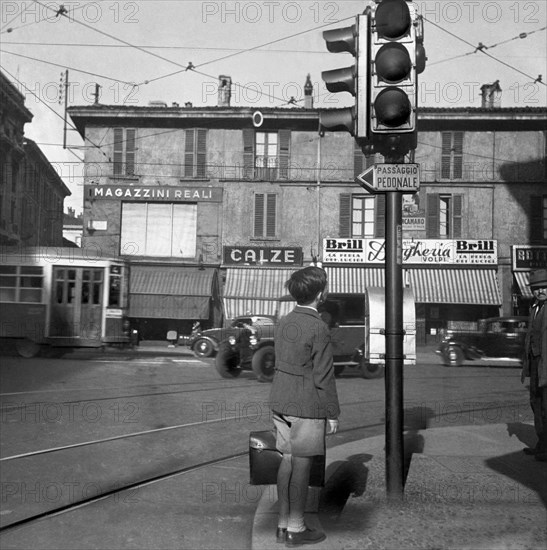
point(62, 297)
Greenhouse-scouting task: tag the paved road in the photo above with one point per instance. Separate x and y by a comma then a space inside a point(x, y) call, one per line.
point(161, 424)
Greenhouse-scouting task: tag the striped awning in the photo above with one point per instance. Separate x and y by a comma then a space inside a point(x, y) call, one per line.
point(170, 292)
point(255, 290)
point(349, 280)
point(523, 280)
point(456, 286)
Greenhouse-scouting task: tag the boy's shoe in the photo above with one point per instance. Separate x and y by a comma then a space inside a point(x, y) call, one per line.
point(281, 535)
point(309, 536)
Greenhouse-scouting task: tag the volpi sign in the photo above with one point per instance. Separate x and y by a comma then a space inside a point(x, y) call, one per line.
point(382, 178)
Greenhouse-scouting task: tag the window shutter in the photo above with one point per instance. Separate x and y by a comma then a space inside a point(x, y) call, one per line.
point(358, 161)
point(118, 152)
point(201, 155)
point(345, 215)
point(248, 153)
point(380, 216)
point(457, 207)
point(536, 218)
point(130, 151)
point(189, 153)
point(458, 156)
point(259, 215)
point(284, 153)
point(446, 154)
point(271, 211)
point(432, 225)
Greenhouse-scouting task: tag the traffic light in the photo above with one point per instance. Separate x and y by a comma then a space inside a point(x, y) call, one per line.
point(392, 85)
point(352, 79)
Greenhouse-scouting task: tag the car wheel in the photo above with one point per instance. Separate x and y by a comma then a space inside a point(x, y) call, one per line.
point(227, 362)
point(372, 370)
point(338, 369)
point(263, 364)
point(453, 356)
point(203, 348)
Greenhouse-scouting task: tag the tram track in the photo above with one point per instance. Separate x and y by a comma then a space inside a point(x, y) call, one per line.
point(73, 506)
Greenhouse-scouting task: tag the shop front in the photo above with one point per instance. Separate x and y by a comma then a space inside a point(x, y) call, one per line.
point(255, 279)
point(454, 282)
point(167, 298)
point(525, 258)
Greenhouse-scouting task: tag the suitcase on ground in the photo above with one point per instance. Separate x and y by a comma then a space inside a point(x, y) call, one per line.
point(264, 461)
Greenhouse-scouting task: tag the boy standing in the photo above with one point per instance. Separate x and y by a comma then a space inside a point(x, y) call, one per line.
point(303, 401)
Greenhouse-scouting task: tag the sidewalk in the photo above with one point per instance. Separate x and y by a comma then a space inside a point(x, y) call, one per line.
point(470, 487)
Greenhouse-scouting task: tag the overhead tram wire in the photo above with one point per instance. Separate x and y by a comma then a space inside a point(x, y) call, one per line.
point(482, 46)
point(71, 68)
point(482, 50)
point(53, 110)
point(9, 30)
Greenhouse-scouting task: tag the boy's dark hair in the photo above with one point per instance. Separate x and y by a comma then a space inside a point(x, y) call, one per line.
point(305, 284)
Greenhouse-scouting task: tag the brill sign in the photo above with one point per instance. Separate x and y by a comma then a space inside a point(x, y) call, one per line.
point(419, 251)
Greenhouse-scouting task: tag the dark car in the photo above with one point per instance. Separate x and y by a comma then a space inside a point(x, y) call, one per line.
point(348, 320)
point(205, 343)
point(498, 339)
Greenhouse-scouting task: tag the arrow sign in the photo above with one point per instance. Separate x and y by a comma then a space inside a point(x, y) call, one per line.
point(382, 178)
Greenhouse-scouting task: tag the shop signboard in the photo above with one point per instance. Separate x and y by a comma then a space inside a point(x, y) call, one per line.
point(163, 193)
point(432, 252)
point(276, 256)
point(526, 257)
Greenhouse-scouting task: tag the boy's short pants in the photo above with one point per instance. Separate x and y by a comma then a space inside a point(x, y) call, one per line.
point(300, 436)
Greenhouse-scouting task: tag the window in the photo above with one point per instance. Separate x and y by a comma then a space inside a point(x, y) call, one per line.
point(266, 154)
point(124, 151)
point(195, 153)
point(265, 215)
point(159, 229)
point(452, 155)
point(538, 218)
point(21, 283)
point(362, 216)
point(444, 216)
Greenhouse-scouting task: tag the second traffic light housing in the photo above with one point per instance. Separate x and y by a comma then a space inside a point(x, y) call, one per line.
point(353, 79)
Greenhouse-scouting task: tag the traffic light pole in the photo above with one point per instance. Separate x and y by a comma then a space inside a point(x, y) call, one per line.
point(394, 343)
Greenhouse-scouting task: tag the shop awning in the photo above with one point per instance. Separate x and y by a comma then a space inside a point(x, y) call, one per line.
point(255, 290)
point(455, 286)
point(348, 280)
point(523, 279)
point(170, 292)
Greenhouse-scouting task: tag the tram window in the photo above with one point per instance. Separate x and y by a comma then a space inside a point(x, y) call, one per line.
point(21, 284)
point(59, 292)
point(97, 294)
point(114, 292)
point(85, 292)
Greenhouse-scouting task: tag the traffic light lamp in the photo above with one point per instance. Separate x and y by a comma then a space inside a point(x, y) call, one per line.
point(352, 79)
point(392, 84)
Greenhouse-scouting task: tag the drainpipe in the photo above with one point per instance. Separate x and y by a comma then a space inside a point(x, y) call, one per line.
point(319, 246)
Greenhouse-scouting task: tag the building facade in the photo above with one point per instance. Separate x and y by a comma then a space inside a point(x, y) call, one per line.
point(31, 191)
point(233, 199)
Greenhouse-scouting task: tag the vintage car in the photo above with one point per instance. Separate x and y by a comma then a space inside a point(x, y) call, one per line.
point(356, 323)
point(205, 343)
point(500, 339)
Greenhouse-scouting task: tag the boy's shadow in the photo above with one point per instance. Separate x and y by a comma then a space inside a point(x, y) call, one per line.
point(343, 478)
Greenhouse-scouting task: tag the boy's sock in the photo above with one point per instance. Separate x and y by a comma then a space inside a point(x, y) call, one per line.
point(296, 525)
point(283, 522)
